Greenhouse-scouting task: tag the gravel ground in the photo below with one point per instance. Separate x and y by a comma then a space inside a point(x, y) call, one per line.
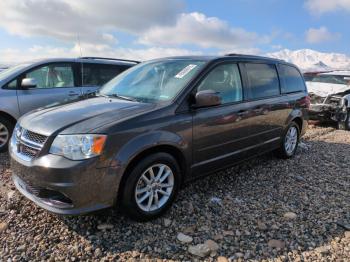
point(264, 209)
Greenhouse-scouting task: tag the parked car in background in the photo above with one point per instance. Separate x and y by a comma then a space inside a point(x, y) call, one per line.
point(330, 97)
point(28, 86)
point(2, 68)
point(154, 127)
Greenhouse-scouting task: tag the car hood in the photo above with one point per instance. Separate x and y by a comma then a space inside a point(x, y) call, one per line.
point(325, 89)
point(82, 116)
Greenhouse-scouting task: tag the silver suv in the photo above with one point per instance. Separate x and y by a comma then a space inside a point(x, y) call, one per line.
point(28, 86)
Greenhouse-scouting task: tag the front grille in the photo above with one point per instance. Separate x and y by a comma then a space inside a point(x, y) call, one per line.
point(28, 144)
point(28, 151)
point(34, 137)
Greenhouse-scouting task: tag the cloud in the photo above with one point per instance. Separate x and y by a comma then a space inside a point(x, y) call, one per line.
point(64, 19)
point(197, 29)
point(319, 7)
point(320, 35)
point(10, 55)
point(156, 27)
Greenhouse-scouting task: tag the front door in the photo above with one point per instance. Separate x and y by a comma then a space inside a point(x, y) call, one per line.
point(221, 133)
point(55, 84)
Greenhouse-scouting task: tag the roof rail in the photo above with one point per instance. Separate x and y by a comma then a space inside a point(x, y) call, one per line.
point(112, 59)
point(235, 54)
point(255, 56)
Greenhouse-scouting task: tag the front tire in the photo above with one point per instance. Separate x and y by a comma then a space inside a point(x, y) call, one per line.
point(6, 129)
point(289, 142)
point(151, 187)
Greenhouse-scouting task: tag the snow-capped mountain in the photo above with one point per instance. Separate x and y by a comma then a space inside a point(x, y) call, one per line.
point(311, 60)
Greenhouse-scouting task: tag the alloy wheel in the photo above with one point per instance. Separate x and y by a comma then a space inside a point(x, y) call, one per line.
point(291, 140)
point(154, 187)
point(4, 135)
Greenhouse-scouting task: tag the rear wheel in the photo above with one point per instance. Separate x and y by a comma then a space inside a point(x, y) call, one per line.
point(289, 142)
point(6, 128)
point(151, 187)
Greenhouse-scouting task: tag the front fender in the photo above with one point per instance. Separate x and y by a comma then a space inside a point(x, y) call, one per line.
point(147, 141)
point(346, 101)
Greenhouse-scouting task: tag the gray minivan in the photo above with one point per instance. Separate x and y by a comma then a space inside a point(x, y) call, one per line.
point(154, 127)
point(29, 86)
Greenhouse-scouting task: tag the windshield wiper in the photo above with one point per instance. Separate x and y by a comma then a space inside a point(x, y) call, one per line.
point(121, 97)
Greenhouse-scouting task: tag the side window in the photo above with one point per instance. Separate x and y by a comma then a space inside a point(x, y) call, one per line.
point(262, 81)
point(107, 73)
point(291, 79)
point(12, 84)
point(90, 74)
point(53, 76)
point(226, 81)
point(98, 74)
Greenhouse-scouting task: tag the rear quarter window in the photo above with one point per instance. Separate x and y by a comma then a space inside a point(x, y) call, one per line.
point(291, 79)
point(262, 81)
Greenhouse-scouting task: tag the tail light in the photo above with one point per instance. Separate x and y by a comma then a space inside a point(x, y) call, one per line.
point(305, 101)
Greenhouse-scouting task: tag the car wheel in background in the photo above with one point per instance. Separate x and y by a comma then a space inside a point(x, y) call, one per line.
point(6, 128)
point(289, 142)
point(151, 187)
point(345, 124)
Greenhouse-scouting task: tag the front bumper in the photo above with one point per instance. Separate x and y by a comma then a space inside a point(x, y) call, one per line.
point(326, 112)
point(64, 186)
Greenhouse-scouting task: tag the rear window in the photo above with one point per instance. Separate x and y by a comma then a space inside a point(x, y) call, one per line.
point(262, 81)
point(99, 74)
point(291, 79)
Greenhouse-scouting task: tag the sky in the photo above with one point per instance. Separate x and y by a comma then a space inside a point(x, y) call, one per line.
point(144, 29)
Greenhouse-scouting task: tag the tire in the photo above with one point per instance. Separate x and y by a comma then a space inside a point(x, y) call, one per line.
point(6, 129)
point(136, 187)
point(284, 151)
point(344, 125)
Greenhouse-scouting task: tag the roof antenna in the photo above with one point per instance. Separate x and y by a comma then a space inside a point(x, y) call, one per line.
point(82, 65)
point(81, 52)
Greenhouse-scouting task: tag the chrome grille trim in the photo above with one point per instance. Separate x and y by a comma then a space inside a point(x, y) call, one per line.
point(31, 144)
point(33, 137)
point(27, 144)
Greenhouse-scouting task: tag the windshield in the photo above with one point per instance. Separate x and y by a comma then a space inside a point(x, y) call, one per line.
point(331, 79)
point(154, 81)
point(8, 72)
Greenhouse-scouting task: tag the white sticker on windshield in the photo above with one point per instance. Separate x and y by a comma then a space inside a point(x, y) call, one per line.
point(185, 71)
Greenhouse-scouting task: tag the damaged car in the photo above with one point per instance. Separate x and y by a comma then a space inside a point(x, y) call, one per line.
point(330, 98)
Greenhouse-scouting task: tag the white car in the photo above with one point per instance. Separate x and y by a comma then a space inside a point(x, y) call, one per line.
point(330, 97)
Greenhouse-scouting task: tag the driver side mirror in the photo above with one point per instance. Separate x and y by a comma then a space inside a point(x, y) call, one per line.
point(207, 98)
point(29, 83)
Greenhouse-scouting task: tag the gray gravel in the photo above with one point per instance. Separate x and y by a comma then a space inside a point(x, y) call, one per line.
point(267, 208)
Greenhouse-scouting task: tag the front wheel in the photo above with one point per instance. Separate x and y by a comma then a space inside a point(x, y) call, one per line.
point(289, 142)
point(151, 187)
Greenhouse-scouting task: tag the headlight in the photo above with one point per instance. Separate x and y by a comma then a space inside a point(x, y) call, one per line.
point(78, 147)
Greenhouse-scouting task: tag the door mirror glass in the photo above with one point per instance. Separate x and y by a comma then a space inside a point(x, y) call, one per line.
point(207, 98)
point(29, 83)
